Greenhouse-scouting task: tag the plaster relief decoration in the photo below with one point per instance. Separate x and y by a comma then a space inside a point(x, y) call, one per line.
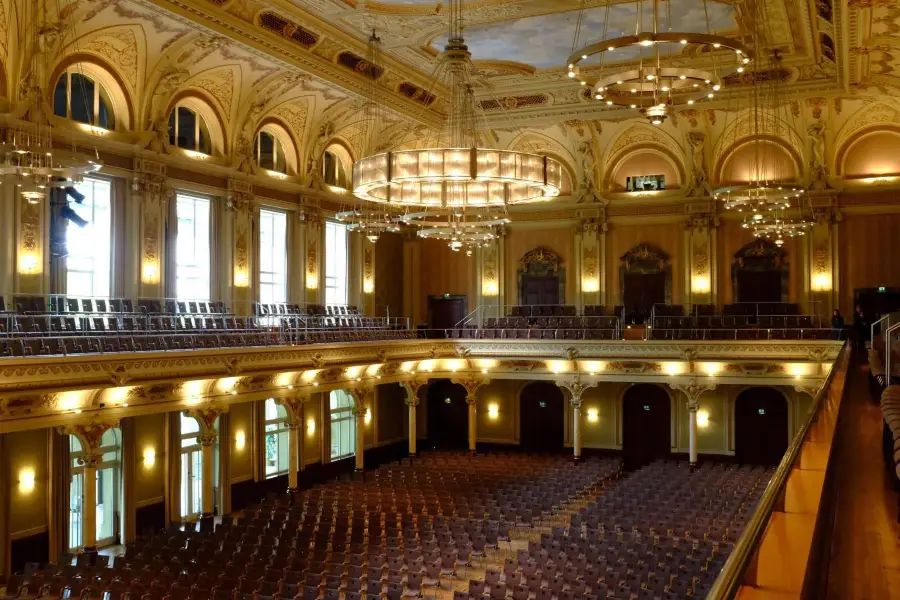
point(220, 84)
point(312, 266)
point(699, 185)
point(818, 168)
point(30, 253)
point(541, 277)
point(120, 48)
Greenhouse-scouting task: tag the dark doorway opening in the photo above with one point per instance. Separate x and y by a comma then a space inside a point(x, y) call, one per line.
point(875, 302)
point(642, 291)
point(444, 312)
point(540, 289)
point(760, 426)
point(448, 415)
point(646, 425)
point(542, 417)
point(759, 286)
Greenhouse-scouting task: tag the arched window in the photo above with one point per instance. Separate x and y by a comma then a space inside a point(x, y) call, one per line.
point(107, 486)
point(81, 98)
point(269, 152)
point(188, 130)
point(343, 425)
point(336, 164)
point(278, 452)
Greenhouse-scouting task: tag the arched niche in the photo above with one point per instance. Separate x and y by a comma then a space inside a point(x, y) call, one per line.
point(447, 415)
point(646, 161)
point(282, 133)
point(760, 273)
point(337, 164)
point(542, 408)
point(872, 152)
point(201, 104)
point(645, 278)
point(764, 158)
point(107, 77)
point(647, 426)
point(541, 278)
point(761, 426)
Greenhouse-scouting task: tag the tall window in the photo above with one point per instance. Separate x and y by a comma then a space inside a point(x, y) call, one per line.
point(192, 248)
point(88, 263)
point(272, 256)
point(335, 263)
point(191, 469)
point(80, 98)
point(108, 490)
point(188, 130)
point(269, 152)
point(343, 425)
point(278, 452)
point(334, 171)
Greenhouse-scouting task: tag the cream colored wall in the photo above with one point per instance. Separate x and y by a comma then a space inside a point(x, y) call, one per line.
point(241, 416)
point(521, 239)
point(869, 250)
point(312, 443)
point(393, 413)
point(504, 429)
point(28, 509)
point(601, 434)
point(150, 481)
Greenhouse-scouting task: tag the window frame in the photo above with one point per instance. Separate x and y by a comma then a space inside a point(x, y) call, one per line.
point(100, 95)
point(204, 239)
point(113, 463)
point(342, 418)
point(108, 264)
point(281, 436)
point(336, 281)
point(278, 153)
point(267, 279)
point(200, 125)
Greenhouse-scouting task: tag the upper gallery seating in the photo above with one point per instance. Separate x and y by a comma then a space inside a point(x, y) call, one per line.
point(544, 322)
point(409, 526)
point(54, 325)
point(739, 322)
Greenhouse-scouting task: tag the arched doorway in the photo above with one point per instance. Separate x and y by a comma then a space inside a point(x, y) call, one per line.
point(645, 278)
point(646, 425)
point(542, 278)
point(448, 415)
point(542, 417)
point(760, 273)
point(760, 426)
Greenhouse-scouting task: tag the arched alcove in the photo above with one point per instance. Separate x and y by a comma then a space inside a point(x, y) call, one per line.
point(541, 278)
point(645, 163)
point(108, 80)
point(760, 273)
point(197, 102)
point(337, 165)
point(646, 425)
point(645, 278)
point(874, 153)
point(448, 415)
point(762, 159)
point(278, 130)
point(541, 417)
point(760, 426)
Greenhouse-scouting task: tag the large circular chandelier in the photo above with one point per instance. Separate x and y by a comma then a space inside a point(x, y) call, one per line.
point(34, 166)
point(463, 230)
point(459, 173)
point(638, 71)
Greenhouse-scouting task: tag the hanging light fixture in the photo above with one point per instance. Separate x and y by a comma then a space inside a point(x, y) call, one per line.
point(460, 173)
point(646, 70)
point(28, 158)
point(463, 230)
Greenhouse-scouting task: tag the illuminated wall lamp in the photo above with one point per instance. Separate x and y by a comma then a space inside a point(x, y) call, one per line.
point(702, 418)
point(29, 264)
point(368, 417)
point(821, 282)
point(593, 415)
point(368, 286)
point(150, 273)
point(590, 285)
point(149, 458)
point(240, 440)
point(493, 411)
point(26, 480)
point(700, 284)
point(312, 281)
point(489, 287)
point(241, 278)
point(310, 427)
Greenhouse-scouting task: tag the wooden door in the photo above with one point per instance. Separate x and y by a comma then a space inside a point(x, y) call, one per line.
point(646, 425)
point(759, 286)
point(444, 312)
point(760, 426)
point(542, 417)
point(540, 289)
point(642, 291)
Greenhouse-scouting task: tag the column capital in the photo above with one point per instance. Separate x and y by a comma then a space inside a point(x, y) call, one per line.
point(89, 434)
point(808, 388)
point(91, 460)
point(576, 388)
point(471, 386)
point(206, 417)
point(692, 391)
point(293, 405)
point(412, 390)
point(207, 439)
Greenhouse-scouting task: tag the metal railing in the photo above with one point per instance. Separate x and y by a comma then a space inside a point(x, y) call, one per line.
point(482, 313)
point(743, 556)
point(754, 310)
point(744, 333)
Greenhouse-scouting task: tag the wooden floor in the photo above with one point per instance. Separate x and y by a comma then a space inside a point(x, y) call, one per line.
point(865, 553)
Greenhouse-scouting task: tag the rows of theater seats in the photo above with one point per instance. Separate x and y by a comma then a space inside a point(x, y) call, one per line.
point(57, 325)
point(408, 527)
point(738, 322)
point(544, 322)
point(532, 333)
point(890, 411)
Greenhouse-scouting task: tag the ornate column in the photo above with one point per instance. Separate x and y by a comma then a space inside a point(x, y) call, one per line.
point(412, 401)
point(700, 278)
point(413, 305)
point(822, 250)
point(242, 272)
point(692, 393)
point(207, 436)
point(576, 389)
point(312, 269)
point(90, 435)
point(362, 400)
point(589, 274)
point(489, 283)
point(294, 406)
point(472, 386)
point(151, 196)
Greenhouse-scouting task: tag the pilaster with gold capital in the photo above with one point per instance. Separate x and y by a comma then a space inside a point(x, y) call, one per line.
point(243, 215)
point(700, 249)
point(150, 192)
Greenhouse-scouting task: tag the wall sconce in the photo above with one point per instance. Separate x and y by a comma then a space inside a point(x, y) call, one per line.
point(672, 368)
point(593, 415)
point(700, 284)
point(590, 285)
point(150, 273)
point(240, 440)
point(241, 278)
point(368, 418)
point(493, 411)
point(310, 427)
point(29, 264)
point(821, 282)
point(26, 480)
point(711, 369)
point(490, 287)
point(368, 286)
point(702, 418)
point(312, 281)
point(149, 457)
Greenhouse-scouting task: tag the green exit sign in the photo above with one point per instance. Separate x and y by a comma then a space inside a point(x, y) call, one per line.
point(882, 290)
